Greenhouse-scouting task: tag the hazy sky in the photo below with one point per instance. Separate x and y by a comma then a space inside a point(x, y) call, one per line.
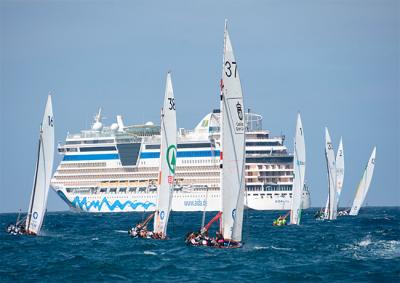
point(338, 62)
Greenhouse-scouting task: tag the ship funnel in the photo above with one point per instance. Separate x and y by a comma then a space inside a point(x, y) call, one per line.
point(120, 123)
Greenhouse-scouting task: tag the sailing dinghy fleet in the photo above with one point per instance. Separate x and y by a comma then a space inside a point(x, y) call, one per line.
point(335, 170)
point(232, 170)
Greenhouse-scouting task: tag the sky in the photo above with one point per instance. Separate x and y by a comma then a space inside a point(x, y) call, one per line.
point(337, 62)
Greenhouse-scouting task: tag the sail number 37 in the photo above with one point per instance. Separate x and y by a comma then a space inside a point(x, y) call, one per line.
point(228, 69)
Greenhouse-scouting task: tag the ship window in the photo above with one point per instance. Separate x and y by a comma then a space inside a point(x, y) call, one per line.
point(97, 141)
point(122, 190)
point(153, 146)
point(262, 143)
point(194, 145)
point(100, 148)
point(113, 190)
point(103, 190)
point(73, 142)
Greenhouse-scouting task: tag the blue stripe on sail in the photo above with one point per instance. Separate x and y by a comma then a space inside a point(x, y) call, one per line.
point(143, 155)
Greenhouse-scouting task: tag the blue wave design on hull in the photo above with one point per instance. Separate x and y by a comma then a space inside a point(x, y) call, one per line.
point(84, 204)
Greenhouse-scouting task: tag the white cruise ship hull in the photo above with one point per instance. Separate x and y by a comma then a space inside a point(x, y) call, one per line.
point(116, 168)
point(182, 201)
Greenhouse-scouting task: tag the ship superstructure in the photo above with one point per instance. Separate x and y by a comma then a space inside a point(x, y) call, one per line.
point(115, 168)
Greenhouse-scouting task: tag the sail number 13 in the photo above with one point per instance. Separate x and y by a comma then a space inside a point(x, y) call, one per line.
point(228, 69)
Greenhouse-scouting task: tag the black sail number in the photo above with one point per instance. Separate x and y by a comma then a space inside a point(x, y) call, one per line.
point(228, 69)
point(50, 120)
point(171, 103)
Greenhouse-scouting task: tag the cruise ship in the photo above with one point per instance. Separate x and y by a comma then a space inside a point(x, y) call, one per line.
point(115, 168)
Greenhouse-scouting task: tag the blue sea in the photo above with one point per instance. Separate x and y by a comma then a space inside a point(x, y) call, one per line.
point(77, 247)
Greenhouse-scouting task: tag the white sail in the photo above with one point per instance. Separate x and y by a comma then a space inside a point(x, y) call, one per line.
point(331, 168)
point(339, 171)
point(299, 165)
point(44, 167)
point(233, 145)
point(363, 187)
point(167, 160)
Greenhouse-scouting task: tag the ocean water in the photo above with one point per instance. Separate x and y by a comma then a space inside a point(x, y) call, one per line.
point(97, 248)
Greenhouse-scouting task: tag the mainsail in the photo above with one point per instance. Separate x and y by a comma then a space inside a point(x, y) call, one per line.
point(299, 164)
point(167, 160)
point(363, 187)
point(44, 167)
point(233, 146)
point(339, 172)
point(331, 167)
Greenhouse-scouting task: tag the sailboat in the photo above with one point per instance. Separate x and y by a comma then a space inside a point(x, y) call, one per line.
point(33, 221)
point(339, 175)
point(331, 168)
point(363, 187)
point(167, 170)
point(232, 158)
point(339, 161)
point(299, 167)
point(299, 164)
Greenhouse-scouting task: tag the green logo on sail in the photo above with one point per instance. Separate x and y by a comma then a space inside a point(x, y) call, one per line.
point(171, 158)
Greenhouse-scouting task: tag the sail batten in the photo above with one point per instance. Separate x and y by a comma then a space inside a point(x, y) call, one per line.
point(232, 143)
point(167, 159)
point(364, 184)
point(299, 165)
point(44, 167)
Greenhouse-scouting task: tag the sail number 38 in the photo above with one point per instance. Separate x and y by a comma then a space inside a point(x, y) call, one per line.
point(228, 69)
point(171, 103)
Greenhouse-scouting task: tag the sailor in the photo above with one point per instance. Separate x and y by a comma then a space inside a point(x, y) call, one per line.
point(220, 239)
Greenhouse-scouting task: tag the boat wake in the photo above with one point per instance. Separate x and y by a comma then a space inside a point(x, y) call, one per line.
point(368, 248)
point(273, 248)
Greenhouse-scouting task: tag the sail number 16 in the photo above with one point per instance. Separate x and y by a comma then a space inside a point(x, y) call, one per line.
point(229, 66)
